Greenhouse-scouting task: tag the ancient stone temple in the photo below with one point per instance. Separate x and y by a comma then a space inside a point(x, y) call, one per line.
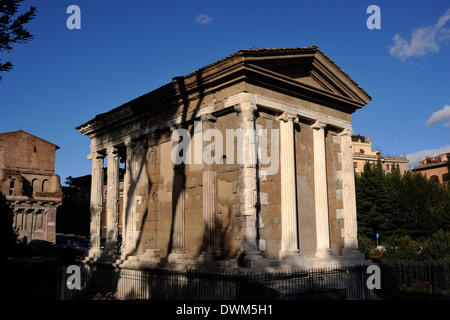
point(29, 182)
point(245, 162)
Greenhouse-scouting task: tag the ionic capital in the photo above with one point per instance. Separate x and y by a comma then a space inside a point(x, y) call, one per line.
point(95, 155)
point(113, 151)
point(286, 117)
point(248, 109)
point(318, 125)
point(346, 132)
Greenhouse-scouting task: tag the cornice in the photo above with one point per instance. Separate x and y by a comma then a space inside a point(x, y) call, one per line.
point(238, 67)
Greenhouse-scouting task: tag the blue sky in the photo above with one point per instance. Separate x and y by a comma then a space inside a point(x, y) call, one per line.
point(124, 49)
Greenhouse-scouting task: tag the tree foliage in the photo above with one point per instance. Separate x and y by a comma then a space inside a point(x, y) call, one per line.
point(408, 211)
point(8, 236)
point(12, 29)
point(389, 203)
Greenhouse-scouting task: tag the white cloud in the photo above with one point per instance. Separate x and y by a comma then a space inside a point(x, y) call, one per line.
point(424, 40)
point(416, 157)
point(439, 116)
point(203, 19)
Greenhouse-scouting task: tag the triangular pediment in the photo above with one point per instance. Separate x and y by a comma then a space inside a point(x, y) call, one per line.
point(311, 68)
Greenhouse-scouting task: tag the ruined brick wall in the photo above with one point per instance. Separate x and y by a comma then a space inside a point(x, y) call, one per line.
point(22, 151)
point(229, 184)
point(27, 178)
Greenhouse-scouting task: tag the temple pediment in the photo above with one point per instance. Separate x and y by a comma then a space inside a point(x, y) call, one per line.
point(303, 73)
point(311, 69)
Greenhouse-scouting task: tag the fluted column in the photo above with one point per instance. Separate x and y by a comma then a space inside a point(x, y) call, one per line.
point(97, 178)
point(349, 197)
point(320, 191)
point(112, 201)
point(209, 200)
point(289, 234)
point(178, 237)
point(209, 210)
point(128, 207)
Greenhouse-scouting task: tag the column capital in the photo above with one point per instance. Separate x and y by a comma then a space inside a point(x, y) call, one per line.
point(287, 116)
point(346, 132)
point(112, 151)
point(95, 155)
point(246, 107)
point(319, 125)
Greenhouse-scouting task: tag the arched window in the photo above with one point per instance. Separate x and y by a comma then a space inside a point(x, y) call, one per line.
point(11, 187)
point(445, 177)
point(435, 178)
point(35, 186)
point(45, 186)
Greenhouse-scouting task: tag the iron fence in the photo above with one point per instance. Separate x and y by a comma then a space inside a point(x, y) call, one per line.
point(399, 280)
point(412, 279)
point(99, 281)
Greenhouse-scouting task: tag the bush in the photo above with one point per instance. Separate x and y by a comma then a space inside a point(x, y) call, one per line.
point(8, 236)
point(436, 247)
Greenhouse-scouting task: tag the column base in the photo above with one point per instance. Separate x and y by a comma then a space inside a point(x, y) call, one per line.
point(179, 256)
point(287, 255)
point(324, 253)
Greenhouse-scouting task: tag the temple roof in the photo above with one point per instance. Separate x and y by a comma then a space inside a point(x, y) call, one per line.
point(304, 72)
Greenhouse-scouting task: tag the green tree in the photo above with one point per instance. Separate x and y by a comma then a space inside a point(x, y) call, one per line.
point(393, 204)
point(12, 29)
point(375, 207)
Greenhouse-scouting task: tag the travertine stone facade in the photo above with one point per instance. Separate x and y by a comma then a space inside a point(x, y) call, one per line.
point(245, 162)
point(29, 182)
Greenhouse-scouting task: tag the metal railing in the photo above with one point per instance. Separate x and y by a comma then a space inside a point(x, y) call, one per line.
point(347, 283)
point(399, 280)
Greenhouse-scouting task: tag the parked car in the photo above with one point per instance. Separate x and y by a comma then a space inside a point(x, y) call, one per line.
point(41, 244)
point(78, 246)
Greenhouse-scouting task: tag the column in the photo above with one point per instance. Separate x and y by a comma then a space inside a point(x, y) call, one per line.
point(320, 191)
point(252, 256)
point(96, 201)
point(178, 202)
point(112, 202)
point(178, 252)
point(128, 207)
point(289, 234)
point(209, 211)
point(348, 195)
point(209, 201)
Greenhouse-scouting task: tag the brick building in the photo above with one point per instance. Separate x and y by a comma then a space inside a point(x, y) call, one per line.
point(435, 167)
point(29, 182)
point(281, 195)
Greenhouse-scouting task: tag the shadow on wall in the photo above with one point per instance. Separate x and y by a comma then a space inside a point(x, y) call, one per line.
point(178, 91)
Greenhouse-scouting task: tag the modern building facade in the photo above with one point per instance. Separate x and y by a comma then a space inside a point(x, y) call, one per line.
point(246, 162)
point(435, 167)
point(29, 182)
point(362, 153)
